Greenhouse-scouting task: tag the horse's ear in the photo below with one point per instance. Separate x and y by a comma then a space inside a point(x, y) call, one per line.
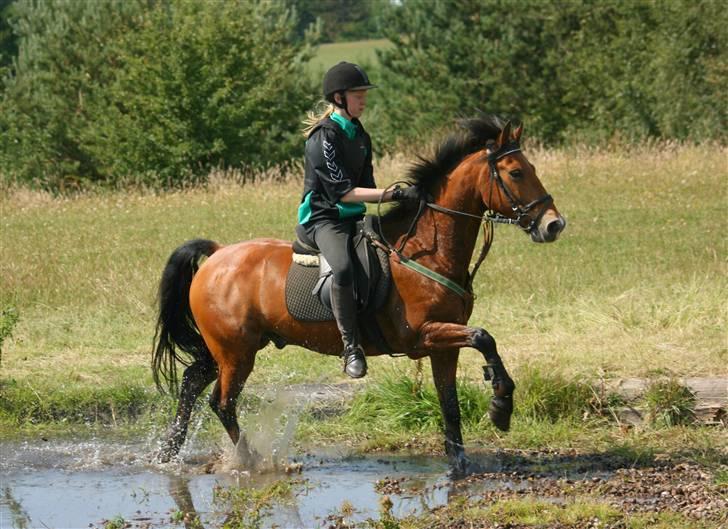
point(517, 133)
point(505, 135)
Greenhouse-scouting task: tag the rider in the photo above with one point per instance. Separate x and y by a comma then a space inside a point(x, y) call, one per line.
point(338, 180)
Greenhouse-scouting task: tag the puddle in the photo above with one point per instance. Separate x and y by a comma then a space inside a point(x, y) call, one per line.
point(69, 484)
point(64, 484)
point(83, 483)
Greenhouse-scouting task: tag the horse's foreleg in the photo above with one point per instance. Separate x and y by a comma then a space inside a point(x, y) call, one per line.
point(445, 336)
point(194, 381)
point(444, 370)
point(501, 405)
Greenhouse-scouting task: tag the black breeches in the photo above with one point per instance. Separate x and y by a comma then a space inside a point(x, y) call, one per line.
point(334, 240)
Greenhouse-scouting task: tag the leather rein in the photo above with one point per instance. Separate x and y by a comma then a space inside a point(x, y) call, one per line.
point(522, 212)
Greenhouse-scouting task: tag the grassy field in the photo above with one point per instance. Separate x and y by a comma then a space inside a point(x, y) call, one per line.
point(361, 52)
point(636, 286)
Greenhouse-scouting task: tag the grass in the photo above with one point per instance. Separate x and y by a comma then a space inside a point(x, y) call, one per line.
point(669, 403)
point(362, 52)
point(247, 507)
point(551, 413)
point(636, 285)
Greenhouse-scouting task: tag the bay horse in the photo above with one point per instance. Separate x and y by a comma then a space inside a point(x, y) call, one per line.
point(214, 318)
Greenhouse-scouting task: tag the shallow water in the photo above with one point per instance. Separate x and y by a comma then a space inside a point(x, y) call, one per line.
point(83, 484)
point(75, 483)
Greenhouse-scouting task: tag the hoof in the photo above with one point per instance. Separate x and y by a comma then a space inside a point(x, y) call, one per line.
point(163, 456)
point(459, 466)
point(462, 467)
point(500, 412)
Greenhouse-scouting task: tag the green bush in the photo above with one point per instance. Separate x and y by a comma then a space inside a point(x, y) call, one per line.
point(551, 396)
point(402, 402)
point(157, 92)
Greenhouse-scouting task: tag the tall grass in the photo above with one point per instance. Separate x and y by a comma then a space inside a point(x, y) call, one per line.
point(398, 401)
point(636, 285)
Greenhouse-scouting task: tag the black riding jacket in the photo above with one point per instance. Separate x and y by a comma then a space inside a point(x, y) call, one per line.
point(335, 165)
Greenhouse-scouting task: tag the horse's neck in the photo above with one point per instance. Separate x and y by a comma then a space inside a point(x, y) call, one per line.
point(444, 242)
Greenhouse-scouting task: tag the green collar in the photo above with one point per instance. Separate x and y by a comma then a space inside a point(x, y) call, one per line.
point(349, 127)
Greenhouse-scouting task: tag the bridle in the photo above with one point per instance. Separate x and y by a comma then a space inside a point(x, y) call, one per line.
point(522, 211)
point(490, 217)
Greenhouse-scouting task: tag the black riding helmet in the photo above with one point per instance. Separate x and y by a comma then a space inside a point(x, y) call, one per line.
point(344, 76)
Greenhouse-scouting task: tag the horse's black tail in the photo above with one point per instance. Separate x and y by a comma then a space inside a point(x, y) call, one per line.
point(176, 329)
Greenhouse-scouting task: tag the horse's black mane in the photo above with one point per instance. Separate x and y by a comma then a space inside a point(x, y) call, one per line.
point(471, 136)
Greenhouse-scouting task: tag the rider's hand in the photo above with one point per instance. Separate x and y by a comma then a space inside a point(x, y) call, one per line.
point(410, 193)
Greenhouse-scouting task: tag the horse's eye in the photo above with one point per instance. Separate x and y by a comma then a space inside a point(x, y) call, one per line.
point(516, 173)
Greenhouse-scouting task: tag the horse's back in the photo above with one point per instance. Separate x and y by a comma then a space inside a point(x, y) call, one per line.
point(240, 283)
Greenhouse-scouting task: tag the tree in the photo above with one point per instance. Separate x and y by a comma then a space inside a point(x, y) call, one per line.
point(204, 85)
point(159, 91)
point(66, 50)
point(341, 20)
point(8, 43)
point(573, 71)
point(453, 57)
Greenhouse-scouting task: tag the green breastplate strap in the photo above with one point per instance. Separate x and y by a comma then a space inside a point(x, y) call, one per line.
point(412, 265)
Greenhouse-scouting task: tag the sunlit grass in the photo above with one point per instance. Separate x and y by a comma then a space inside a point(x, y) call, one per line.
point(636, 285)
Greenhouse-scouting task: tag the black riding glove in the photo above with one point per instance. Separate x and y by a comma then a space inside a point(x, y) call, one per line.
point(410, 193)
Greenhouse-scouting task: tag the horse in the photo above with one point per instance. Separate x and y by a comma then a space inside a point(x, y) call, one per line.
point(214, 317)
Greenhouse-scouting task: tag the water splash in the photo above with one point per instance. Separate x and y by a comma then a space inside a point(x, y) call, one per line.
point(266, 442)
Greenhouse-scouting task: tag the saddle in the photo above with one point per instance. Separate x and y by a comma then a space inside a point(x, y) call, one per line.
point(308, 285)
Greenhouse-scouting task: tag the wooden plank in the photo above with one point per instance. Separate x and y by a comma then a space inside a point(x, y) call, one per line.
point(708, 389)
point(711, 399)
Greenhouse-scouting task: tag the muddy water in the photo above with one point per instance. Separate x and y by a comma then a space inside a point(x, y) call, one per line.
point(83, 484)
point(76, 483)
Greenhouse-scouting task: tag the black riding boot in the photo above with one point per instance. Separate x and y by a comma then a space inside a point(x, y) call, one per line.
point(343, 306)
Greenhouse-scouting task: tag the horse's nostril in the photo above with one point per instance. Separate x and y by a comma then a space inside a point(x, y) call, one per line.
point(555, 226)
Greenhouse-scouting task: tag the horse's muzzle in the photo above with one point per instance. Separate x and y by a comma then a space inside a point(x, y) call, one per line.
point(548, 229)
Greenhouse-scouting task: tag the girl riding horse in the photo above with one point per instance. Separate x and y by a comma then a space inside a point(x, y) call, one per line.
point(339, 178)
point(215, 319)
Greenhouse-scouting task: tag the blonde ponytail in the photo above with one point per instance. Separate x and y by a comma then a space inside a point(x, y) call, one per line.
point(322, 110)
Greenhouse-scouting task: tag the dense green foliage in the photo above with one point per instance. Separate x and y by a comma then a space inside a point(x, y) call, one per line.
point(405, 403)
point(162, 91)
point(598, 69)
point(151, 91)
point(8, 42)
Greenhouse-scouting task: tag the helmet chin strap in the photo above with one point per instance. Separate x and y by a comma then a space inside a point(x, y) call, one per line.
point(343, 105)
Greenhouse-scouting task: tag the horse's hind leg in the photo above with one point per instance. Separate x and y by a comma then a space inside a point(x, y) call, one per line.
point(195, 379)
point(232, 376)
